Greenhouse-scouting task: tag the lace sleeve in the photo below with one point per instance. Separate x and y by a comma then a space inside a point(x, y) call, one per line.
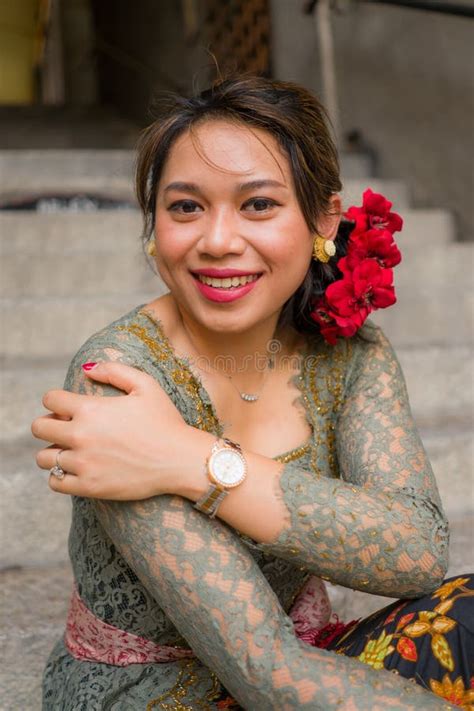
point(380, 527)
point(213, 591)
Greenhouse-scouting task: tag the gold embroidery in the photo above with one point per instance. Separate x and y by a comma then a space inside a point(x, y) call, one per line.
point(317, 408)
point(293, 454)
point(181, 375)
point(206, 418)
point(175, 698)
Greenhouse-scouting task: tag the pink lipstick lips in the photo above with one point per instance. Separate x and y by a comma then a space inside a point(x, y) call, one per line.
point(219, 294)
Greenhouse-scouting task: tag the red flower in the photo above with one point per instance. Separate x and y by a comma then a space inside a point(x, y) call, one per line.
point(407, 649)
point(374, 214)
point(328, 327)
point(367, 277)
point(376, 244)
point(359, 292)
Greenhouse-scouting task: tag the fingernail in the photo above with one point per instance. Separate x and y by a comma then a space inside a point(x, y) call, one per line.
point(88, 366)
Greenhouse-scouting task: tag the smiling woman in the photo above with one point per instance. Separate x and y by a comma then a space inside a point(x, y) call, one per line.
point(259, 445)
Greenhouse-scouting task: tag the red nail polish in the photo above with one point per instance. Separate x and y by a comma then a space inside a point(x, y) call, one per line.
point(88, 366)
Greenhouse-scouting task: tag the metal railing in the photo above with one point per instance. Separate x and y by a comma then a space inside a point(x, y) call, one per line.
point(448, 8)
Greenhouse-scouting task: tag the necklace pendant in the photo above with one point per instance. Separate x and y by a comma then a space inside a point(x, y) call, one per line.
point(248, 398)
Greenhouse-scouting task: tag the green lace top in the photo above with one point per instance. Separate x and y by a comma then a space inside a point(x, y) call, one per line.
point(363, 512)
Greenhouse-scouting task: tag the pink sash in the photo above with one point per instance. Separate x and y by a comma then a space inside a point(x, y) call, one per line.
point(90, 639)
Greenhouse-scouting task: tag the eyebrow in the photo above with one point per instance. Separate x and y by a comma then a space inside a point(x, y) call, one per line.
point(242, 187)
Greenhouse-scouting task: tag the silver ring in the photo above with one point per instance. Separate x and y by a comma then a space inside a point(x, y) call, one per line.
point(57, 470)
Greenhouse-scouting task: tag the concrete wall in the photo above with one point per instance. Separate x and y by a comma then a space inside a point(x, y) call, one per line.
point(406, 81)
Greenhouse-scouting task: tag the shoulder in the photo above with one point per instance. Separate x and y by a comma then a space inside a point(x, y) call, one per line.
point(332, 370)
point(133, 339)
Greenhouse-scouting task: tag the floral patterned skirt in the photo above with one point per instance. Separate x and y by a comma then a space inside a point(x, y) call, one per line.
point(429, 640)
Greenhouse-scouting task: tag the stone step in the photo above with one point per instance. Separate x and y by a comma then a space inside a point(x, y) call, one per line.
point(356, 165)
point(25, 171)
point(396, 191)
point(34, 521)
point(33, 611)
point(28, 505)
point(427, 287)
point(102, 232)
point(51, 325)
point(82, 274)
point(428, 319)
point(56, 327)
point(437, 379)
point(88, 266)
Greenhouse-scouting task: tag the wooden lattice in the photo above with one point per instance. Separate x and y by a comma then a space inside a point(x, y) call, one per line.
point(238, 34)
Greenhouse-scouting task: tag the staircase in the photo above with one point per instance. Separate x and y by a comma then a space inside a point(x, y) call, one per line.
point(65, 275)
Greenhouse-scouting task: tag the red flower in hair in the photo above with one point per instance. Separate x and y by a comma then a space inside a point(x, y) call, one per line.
point(374, 214)
point(377, 244)
point(367, 287)
point(367, 275)
point(327, 325)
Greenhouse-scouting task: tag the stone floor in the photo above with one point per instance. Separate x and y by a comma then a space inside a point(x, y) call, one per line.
point(33, 605)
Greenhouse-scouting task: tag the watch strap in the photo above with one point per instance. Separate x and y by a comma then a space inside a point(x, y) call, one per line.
point(211, 500)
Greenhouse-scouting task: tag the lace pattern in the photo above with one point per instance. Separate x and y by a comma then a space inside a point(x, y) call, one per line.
point(229, 601)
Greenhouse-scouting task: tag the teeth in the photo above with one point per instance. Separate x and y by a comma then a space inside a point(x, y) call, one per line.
point(228, 282)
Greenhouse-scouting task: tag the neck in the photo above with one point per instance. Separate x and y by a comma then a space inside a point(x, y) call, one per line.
point(242, 352)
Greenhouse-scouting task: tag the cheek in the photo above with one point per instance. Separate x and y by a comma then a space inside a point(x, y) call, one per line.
point(291, 249)
point(171, 243)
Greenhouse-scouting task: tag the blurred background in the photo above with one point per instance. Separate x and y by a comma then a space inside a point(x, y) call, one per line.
point(77, 79)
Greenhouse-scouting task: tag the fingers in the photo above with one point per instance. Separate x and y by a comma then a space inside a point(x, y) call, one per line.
point(121, 376)
point(51, 429)
point(48, 457)
point(62, 402)
point(70, 485)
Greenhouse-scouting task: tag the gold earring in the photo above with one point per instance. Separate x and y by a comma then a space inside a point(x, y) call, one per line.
point(323, 249)
point(151, 248)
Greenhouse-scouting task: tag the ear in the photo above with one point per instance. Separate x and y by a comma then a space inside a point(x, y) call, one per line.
point(328, 224)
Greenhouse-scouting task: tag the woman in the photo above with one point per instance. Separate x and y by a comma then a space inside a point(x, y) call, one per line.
point(210, 502)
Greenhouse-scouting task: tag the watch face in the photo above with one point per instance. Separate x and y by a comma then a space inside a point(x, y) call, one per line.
point(227, 467)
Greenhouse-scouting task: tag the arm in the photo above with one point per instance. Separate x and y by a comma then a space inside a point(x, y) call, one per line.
point(381, 527)
point(215, 594)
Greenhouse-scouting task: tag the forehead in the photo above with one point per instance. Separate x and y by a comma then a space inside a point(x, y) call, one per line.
point(227, 150)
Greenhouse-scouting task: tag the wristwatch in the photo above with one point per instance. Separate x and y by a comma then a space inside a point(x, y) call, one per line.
point(226, 468)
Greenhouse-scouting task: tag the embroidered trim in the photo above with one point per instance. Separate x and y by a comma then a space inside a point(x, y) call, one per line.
point(183, 375)
point(175, 698)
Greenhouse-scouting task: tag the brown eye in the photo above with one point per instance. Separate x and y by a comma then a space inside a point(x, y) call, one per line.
point(185, 207)
point(261, 204)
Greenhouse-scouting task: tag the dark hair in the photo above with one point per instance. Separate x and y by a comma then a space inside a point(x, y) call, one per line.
point(299, 123)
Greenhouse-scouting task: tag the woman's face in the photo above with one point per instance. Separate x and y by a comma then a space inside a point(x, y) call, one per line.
point(238, 216)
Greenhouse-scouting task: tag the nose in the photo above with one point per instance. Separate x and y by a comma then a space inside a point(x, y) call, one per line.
point(220, 235)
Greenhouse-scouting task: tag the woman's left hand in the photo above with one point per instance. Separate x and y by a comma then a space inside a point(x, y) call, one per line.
point(121, 448)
